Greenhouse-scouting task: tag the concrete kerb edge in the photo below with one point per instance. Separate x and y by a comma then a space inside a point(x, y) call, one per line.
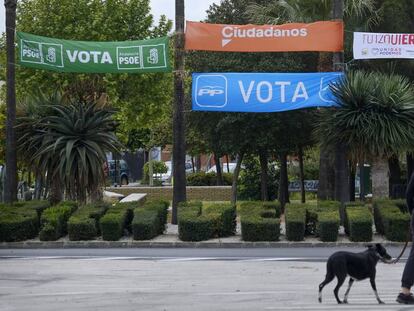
point(180, 244)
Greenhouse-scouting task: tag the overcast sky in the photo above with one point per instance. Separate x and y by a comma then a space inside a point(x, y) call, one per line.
point(195, 10)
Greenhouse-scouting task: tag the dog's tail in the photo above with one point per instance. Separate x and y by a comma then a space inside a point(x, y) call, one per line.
point(328, 278)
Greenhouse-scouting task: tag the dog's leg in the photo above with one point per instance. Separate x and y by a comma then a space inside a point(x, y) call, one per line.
point(329, 277)
point(351, 281)
point(341, 280)
point(374, 287)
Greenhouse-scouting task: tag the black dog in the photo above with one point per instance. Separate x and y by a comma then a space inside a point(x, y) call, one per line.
point(358, 266)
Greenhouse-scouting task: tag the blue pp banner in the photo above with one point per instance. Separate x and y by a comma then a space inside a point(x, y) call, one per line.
point(262, 92)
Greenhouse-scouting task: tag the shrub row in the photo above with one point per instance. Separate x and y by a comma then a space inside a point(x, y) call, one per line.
point(198, 223)
point(295, 219)
point(208, 179)
point(322, 220)
point(115, 221)
point(54, 221)
point(358, 223)
point(392, 219)
point(260, 221)
point(84, 223)
point(150, 220)
point(18, 223)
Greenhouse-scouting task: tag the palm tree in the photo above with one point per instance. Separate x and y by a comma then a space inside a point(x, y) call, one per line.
point(375, 120)
point(10, 189)
point(76, 139)
point(30, 113)
point(67, 143)
point(179, 185)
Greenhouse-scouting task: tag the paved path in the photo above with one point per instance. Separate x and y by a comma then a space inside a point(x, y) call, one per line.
point(103, 282)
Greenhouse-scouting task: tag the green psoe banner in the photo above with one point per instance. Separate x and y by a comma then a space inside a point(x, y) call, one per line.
point(93, 57)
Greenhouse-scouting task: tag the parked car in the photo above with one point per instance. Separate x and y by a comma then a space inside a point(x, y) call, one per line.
point(166, 177)
point(121, 168)
point(232, 167)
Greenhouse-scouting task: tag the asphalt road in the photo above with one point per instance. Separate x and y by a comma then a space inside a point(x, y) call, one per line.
point(293, 253)
point(181, 279)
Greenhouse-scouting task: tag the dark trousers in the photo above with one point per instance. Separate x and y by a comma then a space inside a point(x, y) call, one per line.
point(408, 275)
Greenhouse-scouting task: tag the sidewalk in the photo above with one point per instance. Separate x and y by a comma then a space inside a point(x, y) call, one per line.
point(170, 240)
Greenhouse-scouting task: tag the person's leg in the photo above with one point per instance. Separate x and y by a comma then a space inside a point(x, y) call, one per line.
point(407, 279)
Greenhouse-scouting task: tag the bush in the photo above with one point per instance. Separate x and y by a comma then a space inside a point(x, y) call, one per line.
point(150, 220)
point(359, 224)
point(295, 217)
point(208, 179)
point(145, 224)
point(18, 223)
point(260, 221)
point(114, 222)
point(227, 219)
point(391, 219)
point(328, 226)
point(198, 224)
point(38, 206)
point(54, 221)
point(84, 223)
point(312, 215)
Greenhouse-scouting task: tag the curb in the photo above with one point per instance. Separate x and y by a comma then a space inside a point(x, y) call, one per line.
point(181, 244)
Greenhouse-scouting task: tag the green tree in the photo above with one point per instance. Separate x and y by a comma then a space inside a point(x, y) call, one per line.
point(142, 100)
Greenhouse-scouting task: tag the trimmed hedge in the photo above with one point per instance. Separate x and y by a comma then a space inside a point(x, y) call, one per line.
point(328, 226)
point(84, 223)
point(18, 223)
point(260, 221)
point(358, 223)
point(312, 212)
point(197, 223)
point(150, 220)
point(115, 221)
point(391, 219)
point(54, 221)
point(295, 218)
point(322, 220)
point(208, 179)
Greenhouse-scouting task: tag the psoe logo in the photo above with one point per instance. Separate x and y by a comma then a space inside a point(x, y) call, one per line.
point(211, 91)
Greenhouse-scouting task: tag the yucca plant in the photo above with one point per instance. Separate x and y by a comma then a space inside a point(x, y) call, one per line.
point(76, 138)
point(374, 118)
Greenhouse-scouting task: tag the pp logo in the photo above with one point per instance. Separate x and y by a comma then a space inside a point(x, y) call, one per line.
point(325, 93)
point(211, 91)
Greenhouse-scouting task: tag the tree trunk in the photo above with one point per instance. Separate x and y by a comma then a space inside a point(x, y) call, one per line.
point(395, 176)
point(362, 189)
point(352, 170)
point(380, 187)
point(263, 175)
point(239, 159)
point(198, 163)
point(341, 161)
point(410, 165)
point(219, 174)
point(193, 164)
point(326, 176)
point(228, 166)
point(179, 186)
point(341, 174)
point(56, 193)
point(283, 181)
point(301, 177)
point(10, 187)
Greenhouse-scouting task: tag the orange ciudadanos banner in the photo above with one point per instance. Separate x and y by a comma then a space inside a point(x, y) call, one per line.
point(324, 36)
